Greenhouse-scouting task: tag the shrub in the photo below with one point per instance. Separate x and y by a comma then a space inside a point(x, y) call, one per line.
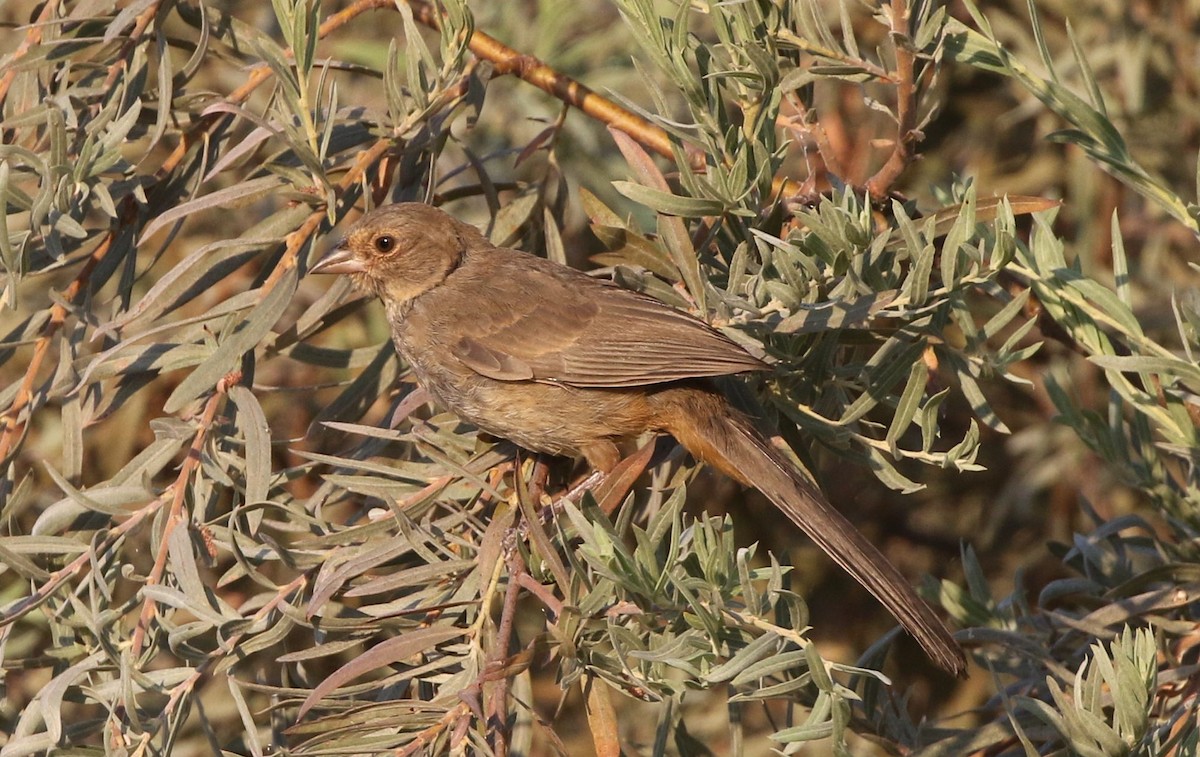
point(229, 524)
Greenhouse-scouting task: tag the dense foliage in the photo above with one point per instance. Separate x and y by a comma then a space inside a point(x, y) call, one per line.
point(229, 525)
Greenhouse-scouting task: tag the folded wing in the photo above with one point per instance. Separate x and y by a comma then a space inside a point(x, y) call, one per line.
point(565, 327)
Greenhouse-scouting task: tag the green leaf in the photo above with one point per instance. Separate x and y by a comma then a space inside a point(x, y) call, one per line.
point(230, 350)
point(667, 203)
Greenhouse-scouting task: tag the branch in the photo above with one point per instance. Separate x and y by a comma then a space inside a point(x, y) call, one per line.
point(566, 89)
point(175, 517)
point(906, 111)
point(32, 37)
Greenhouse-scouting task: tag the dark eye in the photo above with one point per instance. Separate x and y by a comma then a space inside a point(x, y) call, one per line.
point(384, 243)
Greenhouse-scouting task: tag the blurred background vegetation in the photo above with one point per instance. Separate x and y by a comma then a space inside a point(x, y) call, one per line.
point(227, 527)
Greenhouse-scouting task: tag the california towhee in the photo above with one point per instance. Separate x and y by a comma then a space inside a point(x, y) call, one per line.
point(565, 364)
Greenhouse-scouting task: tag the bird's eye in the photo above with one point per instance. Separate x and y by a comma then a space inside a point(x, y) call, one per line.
point(384, 243)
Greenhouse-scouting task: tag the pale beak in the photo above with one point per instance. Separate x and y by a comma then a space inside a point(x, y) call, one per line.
point(339, 260)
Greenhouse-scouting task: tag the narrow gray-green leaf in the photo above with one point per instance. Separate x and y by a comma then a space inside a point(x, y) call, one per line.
point(253, 424)
point(401, 647)
point(229, 352)
point(670, 204)
point(238, 193)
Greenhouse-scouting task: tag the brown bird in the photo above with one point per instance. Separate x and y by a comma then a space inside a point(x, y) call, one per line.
point(562, 363)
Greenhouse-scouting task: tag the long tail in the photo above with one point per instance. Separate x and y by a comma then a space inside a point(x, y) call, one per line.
point(706, 424)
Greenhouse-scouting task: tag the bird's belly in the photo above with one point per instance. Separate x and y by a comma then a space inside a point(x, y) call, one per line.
point(549, 418)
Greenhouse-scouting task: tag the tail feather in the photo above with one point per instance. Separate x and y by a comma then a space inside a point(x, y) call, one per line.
point(721, 436)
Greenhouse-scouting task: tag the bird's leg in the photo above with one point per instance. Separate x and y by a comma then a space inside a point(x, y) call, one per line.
point(608, 485)
point(538, 478)
point(530, 490)
point(603, 455)
point(611, 490)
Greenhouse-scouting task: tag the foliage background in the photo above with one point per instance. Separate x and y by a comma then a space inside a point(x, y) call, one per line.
point(216, 501)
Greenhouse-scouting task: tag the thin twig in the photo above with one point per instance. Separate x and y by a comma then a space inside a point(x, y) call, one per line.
point(18, 609)
point(906, 103)
point(33, 37)
point(544, 594)
point(131, 40)
point(456, 714)
point(230, 644)
point(176, 515)
point(12, 425)
point(799, 123)
point(578, 95)
point(497, 724)
point(574, 93)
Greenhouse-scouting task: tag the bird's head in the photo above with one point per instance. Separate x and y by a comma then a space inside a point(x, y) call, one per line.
point(400, 251)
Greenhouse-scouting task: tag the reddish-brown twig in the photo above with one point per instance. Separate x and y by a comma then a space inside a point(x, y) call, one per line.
point(457, 714)
point(229, 644)
point(574, 93)
point(131, 40)
point(906, 103)
point(88, 557)
point(12, 425)
point(578, 95)
point(33, 36)
point(175, 516)
point(497, 722)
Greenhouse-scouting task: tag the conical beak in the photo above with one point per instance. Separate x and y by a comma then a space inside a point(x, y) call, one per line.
point(339, 260)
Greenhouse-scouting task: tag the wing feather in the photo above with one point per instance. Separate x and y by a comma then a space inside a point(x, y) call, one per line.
point(563, 326)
